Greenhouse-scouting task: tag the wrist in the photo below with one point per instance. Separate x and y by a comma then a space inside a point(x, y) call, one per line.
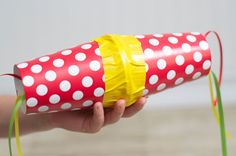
point(35, 123)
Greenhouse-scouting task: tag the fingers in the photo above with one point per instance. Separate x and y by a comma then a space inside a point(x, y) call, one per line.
point(97, 120)
point(115, 113)
point(135, 108)
point(92, 121)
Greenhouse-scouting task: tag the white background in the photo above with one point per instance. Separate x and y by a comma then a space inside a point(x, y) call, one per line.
point(31, 28)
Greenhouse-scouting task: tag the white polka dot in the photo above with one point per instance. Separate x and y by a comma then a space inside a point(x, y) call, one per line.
point(147, 67)
point(32, 102)
point(149, 53)
point(154, 42)
point(94, 65)
point(103, 78)
point(139, 36)
point(177, 34)
point(80, 57)
point(66, 106)
point(98, 92)
point(44, 59)
point(87, 81)
point(173, 40)
point(179, 60)
point(36, 68)
point(161, 86)
point(197, 56)
point(98, 52)
point(86, 46)
point(203, 45)
point(65, 85)
point(186, 47)
point(53, 111)
point(73, 70)
point(179, 81)
point(41, 90)
point(50, 75)
point(153, 79)
point(43, 109)
point(145, 91)
point(195, 33)
point(167, 50)
point(31, 113)
point(161, 64)
point(28, 81)
point(75, 109)
point(87, 103)
point(78, 95)
point(54, 99)
point(171, 74)
point(206, 65)
point(189, 69)
point(196, 75)
point(66, 52)
point(191, 38)
point(58, 63)
point(22, 65)
point(158, 35)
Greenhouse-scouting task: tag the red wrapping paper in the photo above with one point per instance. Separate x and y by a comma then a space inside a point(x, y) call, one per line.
point(73, 79)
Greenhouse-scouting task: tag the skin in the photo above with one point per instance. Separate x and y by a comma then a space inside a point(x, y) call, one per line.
point(85, 121)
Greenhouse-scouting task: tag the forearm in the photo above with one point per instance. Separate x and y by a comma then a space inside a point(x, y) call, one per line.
point(28, 123)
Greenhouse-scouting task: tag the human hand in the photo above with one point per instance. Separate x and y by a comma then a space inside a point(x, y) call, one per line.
point(87, 121)
point(91, 121)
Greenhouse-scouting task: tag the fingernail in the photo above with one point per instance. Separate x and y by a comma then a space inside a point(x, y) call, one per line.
point(122, 101)
point(144, 100)
point(98, 105)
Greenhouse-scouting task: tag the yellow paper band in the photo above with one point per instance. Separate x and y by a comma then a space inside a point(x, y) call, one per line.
point(124, 68)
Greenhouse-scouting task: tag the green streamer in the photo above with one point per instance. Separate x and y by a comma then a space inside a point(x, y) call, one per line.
point(221, 116)
point(19, 102)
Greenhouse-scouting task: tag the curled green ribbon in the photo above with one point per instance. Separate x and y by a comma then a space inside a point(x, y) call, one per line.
point(221, 116)
point(14, 115)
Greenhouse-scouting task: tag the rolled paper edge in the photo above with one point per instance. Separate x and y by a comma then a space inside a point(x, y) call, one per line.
point(210, 55)
point(20, 88)
point(124, 68)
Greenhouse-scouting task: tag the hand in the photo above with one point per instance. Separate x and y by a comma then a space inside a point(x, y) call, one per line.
point(87, 121)
point(91, 121)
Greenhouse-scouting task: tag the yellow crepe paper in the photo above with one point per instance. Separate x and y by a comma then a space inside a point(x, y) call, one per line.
point(124, 68)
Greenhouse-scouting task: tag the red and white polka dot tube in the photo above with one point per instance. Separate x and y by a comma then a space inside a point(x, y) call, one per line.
point(73, 79)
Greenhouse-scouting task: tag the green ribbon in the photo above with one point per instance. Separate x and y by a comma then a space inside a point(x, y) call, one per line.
point(19, 102)
point(221, 116)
